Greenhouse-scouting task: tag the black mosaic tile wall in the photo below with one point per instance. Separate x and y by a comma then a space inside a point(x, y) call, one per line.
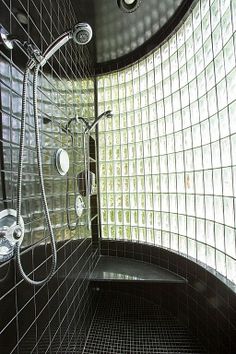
point(53, 318)
point(206, 305)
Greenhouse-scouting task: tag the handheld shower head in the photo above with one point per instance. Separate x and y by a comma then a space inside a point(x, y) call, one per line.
point(82, 33)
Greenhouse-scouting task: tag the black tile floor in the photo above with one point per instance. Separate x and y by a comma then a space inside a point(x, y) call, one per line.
point(124, 324)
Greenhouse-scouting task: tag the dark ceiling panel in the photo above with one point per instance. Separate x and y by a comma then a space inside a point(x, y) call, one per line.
point(119, 33)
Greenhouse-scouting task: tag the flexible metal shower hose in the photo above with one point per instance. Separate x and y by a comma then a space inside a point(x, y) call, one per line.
point(40, 173)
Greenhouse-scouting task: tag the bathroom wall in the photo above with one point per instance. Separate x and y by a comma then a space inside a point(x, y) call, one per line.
point(167, 159)
point(52, 318)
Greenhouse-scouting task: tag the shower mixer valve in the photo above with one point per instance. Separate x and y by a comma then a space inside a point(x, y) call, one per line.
point(10, 233)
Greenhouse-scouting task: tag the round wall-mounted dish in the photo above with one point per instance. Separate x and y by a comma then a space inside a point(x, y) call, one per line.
point(62, 161)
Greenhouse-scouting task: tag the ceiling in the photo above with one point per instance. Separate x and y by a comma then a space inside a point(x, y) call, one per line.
point(121, 38)
point(118, 38)
point(119, 33)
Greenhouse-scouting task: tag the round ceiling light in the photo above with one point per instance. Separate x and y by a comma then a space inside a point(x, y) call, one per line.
point(128, 5)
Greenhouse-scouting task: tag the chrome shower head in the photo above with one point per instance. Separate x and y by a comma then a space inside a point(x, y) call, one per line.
point(82, 33)
point(107, 114)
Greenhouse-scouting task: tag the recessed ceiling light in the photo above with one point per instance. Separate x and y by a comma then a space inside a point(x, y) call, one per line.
point(21, 16)
point(128, 5)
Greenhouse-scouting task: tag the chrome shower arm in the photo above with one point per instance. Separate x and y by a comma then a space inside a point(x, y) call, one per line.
point(95, 122)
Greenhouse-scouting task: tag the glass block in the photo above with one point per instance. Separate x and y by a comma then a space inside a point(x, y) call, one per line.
point(135, 234)
point(192, 252)
point(215, 13)
point(231, 86)
point(227, 181)
point(207, 163)
point(201, 252)
point(190, 204)
point(203, 108)
point(222, 94)
point(210, 233)
point(209, 202)
point(184, 97)
point(175, 83)
point(215, 151)
point(174, 242)
point(229, 56)
point(111, 216)
point(226, 26)
point(226, 152)
point(183, 244)
point(166, 87)
point(183, 77)
point(221, 263)
point(191, 226)
point(118, 201)
point(191, 70)
point(194, 112)
point(165, 239)
point(231, 269)
point(181, 204)
point(218, 206)
point(208, 52)
point(182, 225)
point(189, 49)
point(142, 235)
point(210, 76)
point(230, 242)
point(229, 217)
point(211, 257)
point(173, 63)
point(105, 233)
point(197, 155)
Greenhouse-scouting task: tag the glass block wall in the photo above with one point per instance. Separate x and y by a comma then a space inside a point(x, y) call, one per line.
point(167, 158)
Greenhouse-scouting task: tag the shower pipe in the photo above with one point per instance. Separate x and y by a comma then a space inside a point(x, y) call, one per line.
point(88, 128)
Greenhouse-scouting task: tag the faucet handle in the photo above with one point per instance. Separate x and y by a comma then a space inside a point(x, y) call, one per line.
point(3, 231)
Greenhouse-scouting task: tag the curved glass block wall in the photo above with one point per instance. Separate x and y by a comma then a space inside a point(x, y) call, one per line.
point(167, 158)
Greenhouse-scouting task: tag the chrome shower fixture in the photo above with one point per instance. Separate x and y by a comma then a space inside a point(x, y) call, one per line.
point(81, 34)
point(128, 5)
point(106, 114)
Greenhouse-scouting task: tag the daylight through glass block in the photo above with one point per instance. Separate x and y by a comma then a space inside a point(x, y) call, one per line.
point(168, 157)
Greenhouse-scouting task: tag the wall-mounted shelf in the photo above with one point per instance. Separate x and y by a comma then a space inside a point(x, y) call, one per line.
point(117, 269)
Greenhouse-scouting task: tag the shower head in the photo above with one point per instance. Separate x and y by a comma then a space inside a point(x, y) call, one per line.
point(81, 34)
point(107, 114)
